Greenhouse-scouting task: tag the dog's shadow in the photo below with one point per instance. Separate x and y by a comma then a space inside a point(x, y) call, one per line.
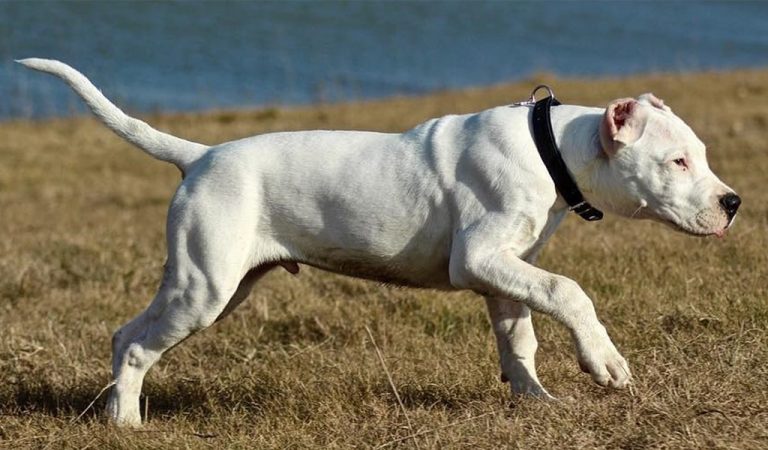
point(192, 398)
point(41, 396)
point(437, 396)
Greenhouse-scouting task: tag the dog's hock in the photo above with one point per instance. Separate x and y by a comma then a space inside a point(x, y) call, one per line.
point(622, 125)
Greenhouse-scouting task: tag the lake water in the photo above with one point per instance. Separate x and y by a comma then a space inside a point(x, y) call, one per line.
point(150, 56)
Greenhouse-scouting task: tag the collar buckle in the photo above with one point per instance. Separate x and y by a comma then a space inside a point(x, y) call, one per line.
point(587, 211)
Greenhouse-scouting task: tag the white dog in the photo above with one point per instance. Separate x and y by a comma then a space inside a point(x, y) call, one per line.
point(458, 202)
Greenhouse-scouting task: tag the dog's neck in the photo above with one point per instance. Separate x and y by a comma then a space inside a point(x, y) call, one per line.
point(577, 132)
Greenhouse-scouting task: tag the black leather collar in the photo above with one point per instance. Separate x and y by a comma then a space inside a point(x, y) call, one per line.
point(545, 143)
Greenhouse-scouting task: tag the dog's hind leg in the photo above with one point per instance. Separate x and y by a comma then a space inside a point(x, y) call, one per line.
point(180, 308)
point(129, 331)
point(205, 267)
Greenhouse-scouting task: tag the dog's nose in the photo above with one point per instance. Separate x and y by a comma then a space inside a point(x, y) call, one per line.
point(730, 203)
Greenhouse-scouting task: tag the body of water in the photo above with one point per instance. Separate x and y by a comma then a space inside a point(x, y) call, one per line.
point(177, 56)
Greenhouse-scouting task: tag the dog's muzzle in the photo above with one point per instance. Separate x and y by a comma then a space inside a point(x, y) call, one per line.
point(730, 203)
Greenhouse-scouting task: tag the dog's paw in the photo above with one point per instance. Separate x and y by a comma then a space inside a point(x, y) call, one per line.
point(529, 390)
point(124, 417)
point(598, 357)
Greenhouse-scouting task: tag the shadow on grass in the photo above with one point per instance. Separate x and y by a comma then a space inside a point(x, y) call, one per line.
point(196, 398)
point(203, 397)
point(206, 397)
point(40, 396)
point(436, 396)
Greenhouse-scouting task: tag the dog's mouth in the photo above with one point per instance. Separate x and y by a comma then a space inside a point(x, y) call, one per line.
point(701, 224)
point(719, 233)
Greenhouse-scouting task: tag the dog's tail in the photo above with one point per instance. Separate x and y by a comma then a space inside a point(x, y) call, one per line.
point(162, 146)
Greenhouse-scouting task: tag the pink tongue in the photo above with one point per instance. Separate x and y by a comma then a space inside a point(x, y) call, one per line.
point(720, 233)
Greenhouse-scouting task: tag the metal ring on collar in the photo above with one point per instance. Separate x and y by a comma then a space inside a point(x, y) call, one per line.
point(533, 92)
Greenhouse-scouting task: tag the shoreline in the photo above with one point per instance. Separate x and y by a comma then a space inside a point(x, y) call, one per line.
point(555, 81)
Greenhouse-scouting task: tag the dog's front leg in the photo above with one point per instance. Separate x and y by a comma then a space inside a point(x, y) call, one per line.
point(513, 327)
point(490, 267)
point(516, 342)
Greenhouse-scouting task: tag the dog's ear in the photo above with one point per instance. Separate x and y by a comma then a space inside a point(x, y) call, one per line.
point(623, 124)
point(650, 99)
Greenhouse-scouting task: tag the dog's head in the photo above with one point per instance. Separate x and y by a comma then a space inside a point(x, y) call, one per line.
point(660, 171)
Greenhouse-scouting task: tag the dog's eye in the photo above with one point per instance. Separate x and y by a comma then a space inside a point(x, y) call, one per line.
point(681, 162)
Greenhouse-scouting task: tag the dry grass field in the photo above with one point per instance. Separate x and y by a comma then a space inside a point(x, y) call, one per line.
point(82, 223)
